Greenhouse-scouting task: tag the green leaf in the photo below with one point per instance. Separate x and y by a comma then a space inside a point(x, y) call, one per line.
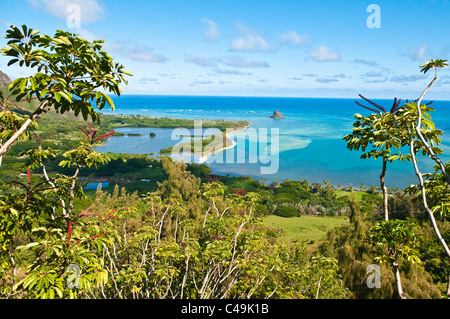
point(57, 96)
point(61, 40)
point(109, 100)
point(30, 281)
point(65, 95)
point(30, 245)
point(33, 83)
point(44, 92)
point(23, 84)
point(58, 291)
point(11, 62)
point(126, 73)
point(439, 63)
point(14, 83)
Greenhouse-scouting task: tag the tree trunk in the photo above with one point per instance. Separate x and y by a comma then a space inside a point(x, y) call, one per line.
point(4, 147)
point(419, 133)
point(384, 189)
point(398, 280)
point(424, 197)
point(72, 191)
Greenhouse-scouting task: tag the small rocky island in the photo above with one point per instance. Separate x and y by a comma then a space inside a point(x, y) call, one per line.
point(277, 115)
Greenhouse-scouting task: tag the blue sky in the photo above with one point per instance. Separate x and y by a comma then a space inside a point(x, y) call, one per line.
point(297, 48)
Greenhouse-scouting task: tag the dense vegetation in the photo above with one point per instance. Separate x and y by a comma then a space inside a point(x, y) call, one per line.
point(172, 230)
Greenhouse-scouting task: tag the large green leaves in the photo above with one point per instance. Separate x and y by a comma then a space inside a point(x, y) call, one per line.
point(433, 64)
point(386, 132)
point(72, 73)
point(395, 239)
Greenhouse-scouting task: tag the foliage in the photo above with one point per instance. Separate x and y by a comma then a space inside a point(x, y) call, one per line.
point(10, 120)
point(395, 240)
point(433, 64)
point(407, 126)
point(438, 191)
point(195, 235)
point(150, 248)
point(388, 131)
point(70, 70)
point(355, 251)
point(284, 211)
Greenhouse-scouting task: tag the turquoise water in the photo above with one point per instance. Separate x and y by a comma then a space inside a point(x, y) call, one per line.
point(94, 186)
point(310, 142)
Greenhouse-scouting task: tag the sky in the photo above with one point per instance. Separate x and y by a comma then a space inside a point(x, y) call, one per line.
point(282, 48)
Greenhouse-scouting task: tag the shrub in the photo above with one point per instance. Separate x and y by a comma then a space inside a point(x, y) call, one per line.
point(285, 211)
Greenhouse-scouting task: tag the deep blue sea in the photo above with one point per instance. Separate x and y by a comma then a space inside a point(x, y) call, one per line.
point(309, 144)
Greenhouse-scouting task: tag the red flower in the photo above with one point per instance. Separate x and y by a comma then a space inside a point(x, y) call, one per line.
point(92, 133)
point(69, 233)
point(238, 191)
point(93, 237)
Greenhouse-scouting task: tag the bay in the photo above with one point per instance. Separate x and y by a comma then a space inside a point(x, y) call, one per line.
point(309, 142)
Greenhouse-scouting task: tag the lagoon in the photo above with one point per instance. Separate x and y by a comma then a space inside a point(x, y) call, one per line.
point(94, 186)
point(143, 143)
point(310, 136)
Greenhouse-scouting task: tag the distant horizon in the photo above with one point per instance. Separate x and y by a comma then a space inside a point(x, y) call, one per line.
point(277, 97)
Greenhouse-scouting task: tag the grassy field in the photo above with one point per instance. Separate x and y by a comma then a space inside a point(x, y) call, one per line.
point(309, 229)
point(358, 194)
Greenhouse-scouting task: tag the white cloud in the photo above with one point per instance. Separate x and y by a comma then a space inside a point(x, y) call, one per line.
point(91, 10)
point(198, 82)
point(211, 33)
point(372, 64)
point(293, 39)
point(340, 75)
point(366, 62)
point(231, 72)
point(135, 52)
point(408, 78)
point(373, 74)
point(326, 80)
point(311, 75)
point(238, 62)
point(420, 53)
point(144, 54)
point(251, 41)
point(231, 61)
point(323, 54)
point(200, 60)
point(146, 80)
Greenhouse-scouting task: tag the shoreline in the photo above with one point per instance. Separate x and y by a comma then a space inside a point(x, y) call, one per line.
point(204, 158)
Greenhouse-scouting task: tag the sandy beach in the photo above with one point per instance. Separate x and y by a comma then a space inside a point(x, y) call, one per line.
point(205, 157)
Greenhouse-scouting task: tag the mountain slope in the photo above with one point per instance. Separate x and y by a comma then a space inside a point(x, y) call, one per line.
point(4, 79)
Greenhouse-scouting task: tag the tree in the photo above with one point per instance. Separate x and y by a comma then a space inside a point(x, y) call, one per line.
point(380, 131)
point(71, 73)
point(438, 182)
point(81, 156)
point(37, 157)
point(406, 126)
point(10, 120)
point(395, 240)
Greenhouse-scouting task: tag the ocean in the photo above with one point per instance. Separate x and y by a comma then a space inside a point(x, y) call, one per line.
point(307, 143)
